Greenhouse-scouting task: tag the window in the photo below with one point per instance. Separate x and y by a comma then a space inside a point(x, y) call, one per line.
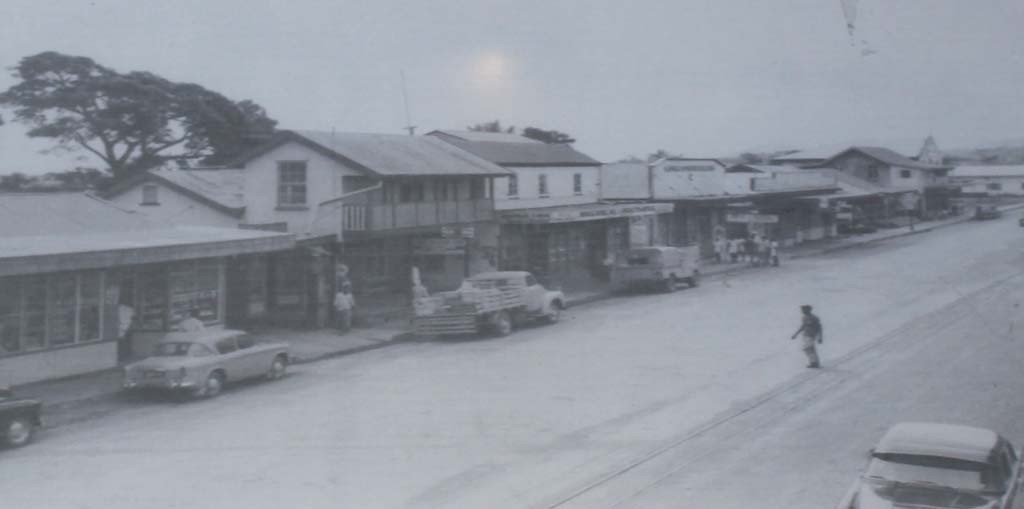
point(441, 190)
point(149, 194)
point(905, 174)
point(245, 341)
point(873, 174)
point(226, 345)
point(513, 186)
point(530, 280)
point(410, 192)
point(291, 183)
point(577, 183)
point(195, 285)
point(994, 186)
point(477, 188)
point(49, 311)
point(542, 185)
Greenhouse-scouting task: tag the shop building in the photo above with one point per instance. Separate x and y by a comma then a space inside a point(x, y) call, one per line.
point(552, 220)
point(990, 180)
point(62, 289)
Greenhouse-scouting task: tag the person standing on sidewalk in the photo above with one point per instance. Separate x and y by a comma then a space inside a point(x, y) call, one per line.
point(811, 328)
point(343, 304)
point(773, 249)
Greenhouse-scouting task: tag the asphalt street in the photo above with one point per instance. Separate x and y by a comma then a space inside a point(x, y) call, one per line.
point(692, 399)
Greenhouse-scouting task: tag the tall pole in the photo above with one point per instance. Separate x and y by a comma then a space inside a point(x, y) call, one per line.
point(405, 98)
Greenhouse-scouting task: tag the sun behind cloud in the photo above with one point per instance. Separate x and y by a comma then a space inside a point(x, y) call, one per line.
point(490, 67)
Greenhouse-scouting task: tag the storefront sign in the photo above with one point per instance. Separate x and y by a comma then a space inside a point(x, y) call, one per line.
point(439, 247)
point(752, 218)
point(844, 216)
point(448, 232)
point(585, 212)
point(468, 232)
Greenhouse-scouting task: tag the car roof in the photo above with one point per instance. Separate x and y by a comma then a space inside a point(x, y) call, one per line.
point(205, 337)
point(966, 443)
point(503, 274)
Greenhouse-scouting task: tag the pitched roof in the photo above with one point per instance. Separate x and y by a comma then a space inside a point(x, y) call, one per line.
point(513, 150)
point(886, 156)
point(1014, 170)
point(388, 155)
point(220, 188)
point(32, 214)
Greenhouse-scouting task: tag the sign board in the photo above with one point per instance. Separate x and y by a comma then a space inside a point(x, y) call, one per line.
point(639, 233)
point(844, 216)
point(448, 232)
point(438, 247)
point(752, 218)
point(585, 213)
point(468, 232)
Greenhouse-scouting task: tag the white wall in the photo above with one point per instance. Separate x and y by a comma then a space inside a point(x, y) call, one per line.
point(560, 187)
point(58, 363)
point(1010, 185)
point(175, 208)
point(681, 179)
point(323, 182)
point(625, 181)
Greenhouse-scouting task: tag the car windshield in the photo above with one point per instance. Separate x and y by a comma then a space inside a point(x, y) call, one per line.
point(947, 472)
point(175, 349)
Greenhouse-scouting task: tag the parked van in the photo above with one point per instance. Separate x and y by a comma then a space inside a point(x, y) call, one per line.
point(659, 267)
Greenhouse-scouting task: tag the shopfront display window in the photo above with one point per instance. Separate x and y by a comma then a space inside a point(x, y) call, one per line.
point(38, 312)
point(195, 286)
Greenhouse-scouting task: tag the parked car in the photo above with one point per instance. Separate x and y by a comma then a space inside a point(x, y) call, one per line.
point(660, 267)
point(201, 363)
point(492, 301)
point(928, 465)
point(858, 226)
point(987, 212)
point(19, 418)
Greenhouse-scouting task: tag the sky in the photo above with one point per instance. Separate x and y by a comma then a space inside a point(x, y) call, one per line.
point(694, 77)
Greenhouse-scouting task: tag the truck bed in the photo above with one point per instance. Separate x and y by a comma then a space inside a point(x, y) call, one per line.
point(459, 312)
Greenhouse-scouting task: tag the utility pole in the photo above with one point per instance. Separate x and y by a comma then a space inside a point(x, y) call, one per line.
point(405, 98)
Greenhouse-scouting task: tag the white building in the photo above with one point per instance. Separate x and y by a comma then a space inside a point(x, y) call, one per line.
point(989, 180)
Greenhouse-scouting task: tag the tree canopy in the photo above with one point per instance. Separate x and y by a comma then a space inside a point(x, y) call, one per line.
point(129, 120)
point(491, 127)
point(547, 136)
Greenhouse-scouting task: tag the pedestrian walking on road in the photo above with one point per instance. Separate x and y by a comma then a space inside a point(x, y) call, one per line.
point(812, 331)
point(734, 250)
point(773, 249)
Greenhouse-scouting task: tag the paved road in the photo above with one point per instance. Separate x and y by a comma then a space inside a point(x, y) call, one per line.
point(643, 401)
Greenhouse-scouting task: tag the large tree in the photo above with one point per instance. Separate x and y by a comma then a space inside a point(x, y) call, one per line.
point(129, 120)
point(491, 127)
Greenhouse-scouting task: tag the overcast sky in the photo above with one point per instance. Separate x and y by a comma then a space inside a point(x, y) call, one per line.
point(698, 77)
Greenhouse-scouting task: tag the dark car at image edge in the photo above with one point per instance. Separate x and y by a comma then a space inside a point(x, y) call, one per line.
point(19, 419)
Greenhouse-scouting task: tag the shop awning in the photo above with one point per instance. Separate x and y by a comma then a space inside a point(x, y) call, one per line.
point(587, 212)
point(95, 250)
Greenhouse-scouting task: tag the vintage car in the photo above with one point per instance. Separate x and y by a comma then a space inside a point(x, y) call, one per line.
point(927, 465)
point(19, 418)
point(660, 267)
point(987, 212)
point(201, 363)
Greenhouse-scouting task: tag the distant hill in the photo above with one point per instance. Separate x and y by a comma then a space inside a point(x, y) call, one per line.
point(1010, 152)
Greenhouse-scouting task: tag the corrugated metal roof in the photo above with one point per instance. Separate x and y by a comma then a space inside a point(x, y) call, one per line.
point(519, 153)
point(223, 186)
point(63, 213)
point(487, 136)
point(392, 155)
point(86, 242)
point(1016, 170)
point(886, 156)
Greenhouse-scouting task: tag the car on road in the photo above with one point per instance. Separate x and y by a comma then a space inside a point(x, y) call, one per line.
point(930, 465)
point(201, 363)
point(858, 226)
point(19, 418)
point(987, 212)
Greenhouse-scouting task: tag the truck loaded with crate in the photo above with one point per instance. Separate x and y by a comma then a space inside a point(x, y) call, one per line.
point(487, 302)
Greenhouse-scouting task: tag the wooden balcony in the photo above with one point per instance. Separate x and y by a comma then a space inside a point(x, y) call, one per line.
point(370, 218)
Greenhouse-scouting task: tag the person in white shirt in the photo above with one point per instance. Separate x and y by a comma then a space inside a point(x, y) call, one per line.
point(125, 316)
point(192, 323)
point(343, 304)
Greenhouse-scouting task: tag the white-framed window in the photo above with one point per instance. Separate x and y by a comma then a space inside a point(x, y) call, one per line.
point(39, 312)
point(150, 194)
point(542, 185)
point(291, 183)
point(577, 183)
point(513, 186)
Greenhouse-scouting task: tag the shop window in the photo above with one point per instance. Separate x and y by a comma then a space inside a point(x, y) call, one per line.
point(994, 186)
point(513, 186)
point(33, 305)
point(542, 185)
point(89, 307)
point(905, 174)
point(291, 183)
point(149, 194)
point(49, 311)
point(151, 286)
point(10, 316)
point(577, 183)
point(195, 286)
point(289, 278)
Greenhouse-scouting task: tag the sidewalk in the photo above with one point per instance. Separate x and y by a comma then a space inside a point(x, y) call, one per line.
point(305, 346)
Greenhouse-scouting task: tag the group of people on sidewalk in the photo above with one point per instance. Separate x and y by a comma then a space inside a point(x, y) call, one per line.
point(757, 250)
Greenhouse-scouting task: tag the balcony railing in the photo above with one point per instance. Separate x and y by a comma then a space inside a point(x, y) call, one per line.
point(361, 218)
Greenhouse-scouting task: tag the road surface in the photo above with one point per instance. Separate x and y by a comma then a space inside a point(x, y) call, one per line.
point(696, 398)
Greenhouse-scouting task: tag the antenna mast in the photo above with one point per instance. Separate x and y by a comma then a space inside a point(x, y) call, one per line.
point(405, 98)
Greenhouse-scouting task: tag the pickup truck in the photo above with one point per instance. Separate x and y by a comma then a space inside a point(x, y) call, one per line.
point(489, 301)
point(19, 418)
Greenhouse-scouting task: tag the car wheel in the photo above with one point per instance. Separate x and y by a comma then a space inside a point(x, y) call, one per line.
point(554, 313)
point(277, 368)
point(671, 283)
point(503, 324)
point(214, 384)
point(18, 432)
point(694, 280)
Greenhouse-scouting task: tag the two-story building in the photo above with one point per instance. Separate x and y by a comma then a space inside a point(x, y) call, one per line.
point(553, 222)
point(989, 180)
point(888, 169)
